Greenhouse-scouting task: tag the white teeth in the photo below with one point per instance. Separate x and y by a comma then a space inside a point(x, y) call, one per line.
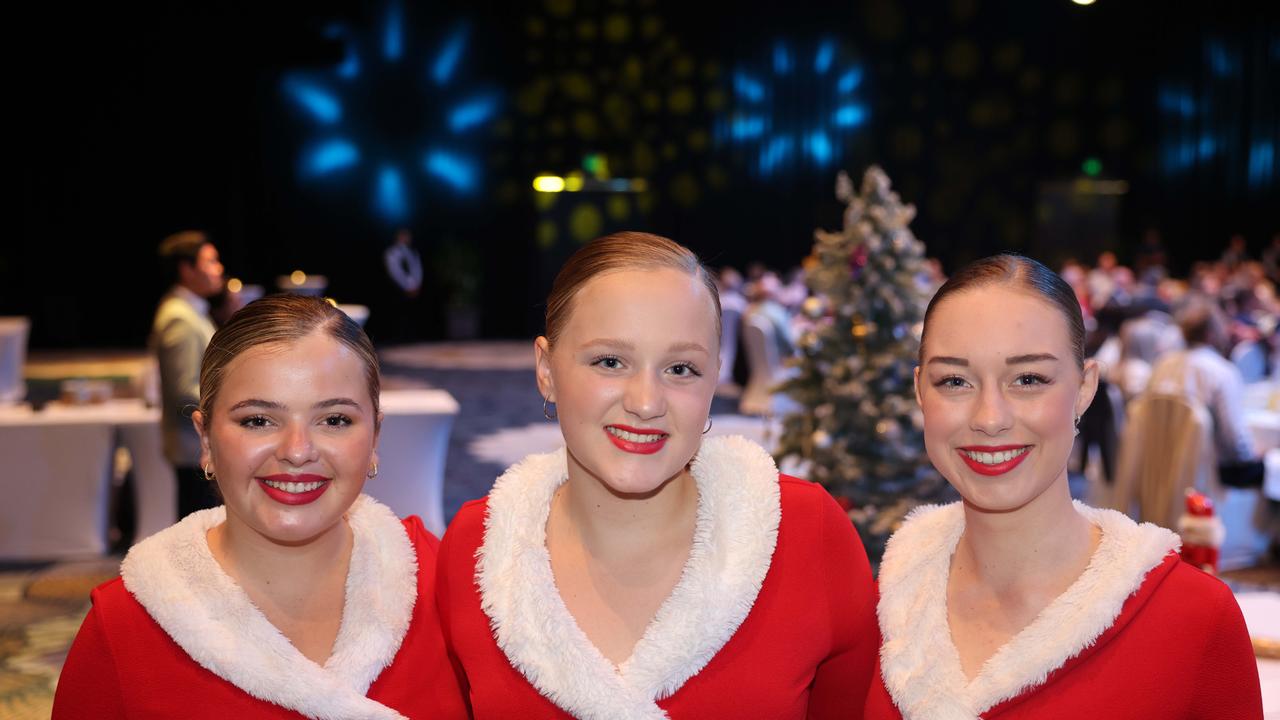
point(634, 437)
point(995, 458)
point(294, 487)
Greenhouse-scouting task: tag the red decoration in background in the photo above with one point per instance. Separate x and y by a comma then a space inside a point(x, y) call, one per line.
point(1202, 532)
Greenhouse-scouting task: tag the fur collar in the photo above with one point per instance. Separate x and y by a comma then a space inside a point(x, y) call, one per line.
point(176, 579)
point(734, 536)
point(920, 665)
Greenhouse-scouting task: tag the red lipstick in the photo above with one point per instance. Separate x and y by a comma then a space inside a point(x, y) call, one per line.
point(998, 468)
point(293, 498)
point(639, 448)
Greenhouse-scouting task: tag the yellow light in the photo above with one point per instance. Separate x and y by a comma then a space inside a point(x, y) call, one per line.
point(1083, 2)
point(234, 285)
point(548, 183)
point(639, 185)
point(297, 277)
point(573, 183)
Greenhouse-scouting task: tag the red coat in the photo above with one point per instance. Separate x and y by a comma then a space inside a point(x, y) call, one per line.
point(123, 664)
point(805, 649)
point(1178, 649)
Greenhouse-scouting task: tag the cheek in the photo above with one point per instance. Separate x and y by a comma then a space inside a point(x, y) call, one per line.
point(1051, 416)
point(941, 418)
point(242, 451)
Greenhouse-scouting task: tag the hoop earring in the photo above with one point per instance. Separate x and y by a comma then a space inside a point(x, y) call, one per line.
point(710, 421)
point(373, 472)
point(1077, 424)
point(545, 412)
point(208, 475)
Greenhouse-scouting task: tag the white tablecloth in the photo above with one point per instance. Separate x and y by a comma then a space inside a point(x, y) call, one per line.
point(412, 449)
point(1262, 614)
point(56, 477)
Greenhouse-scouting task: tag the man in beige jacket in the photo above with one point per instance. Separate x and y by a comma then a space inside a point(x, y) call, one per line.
point(179, 335)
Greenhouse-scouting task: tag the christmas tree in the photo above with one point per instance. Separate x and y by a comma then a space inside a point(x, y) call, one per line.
point(858, 431)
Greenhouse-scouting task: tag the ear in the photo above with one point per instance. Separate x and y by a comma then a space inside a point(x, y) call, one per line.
point(916, 384)
point(542, 365)
point(1088, 386)
point(206, 453)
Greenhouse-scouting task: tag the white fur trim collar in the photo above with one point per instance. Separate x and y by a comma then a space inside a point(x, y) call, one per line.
point(734, 537)
point(919, 663)
point(184, 589)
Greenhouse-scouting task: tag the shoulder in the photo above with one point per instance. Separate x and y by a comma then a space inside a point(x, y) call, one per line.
point(466, 530)
point(807, 498)
point(111, 597)
point(1200, 592)
point(422, 538)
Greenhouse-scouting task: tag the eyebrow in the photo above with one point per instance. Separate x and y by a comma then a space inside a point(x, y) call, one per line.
point(624, 345)
point(1011, 360)
point(1031, 358)
point(270, 405)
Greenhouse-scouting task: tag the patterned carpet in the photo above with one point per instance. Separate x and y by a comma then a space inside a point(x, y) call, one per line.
point(42, 605)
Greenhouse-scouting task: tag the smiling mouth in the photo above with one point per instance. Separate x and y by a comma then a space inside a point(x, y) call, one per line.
point(294, 487)
point(995, 460)
point(636, 440)
point(635, 437)
point(997, 457)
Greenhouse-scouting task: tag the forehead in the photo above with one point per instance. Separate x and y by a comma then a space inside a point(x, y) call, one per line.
point(207, 252)
point(666, 299)
point(316, 365)
point(995, 320)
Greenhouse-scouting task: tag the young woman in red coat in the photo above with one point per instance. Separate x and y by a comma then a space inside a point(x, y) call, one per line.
point(298, 598)
point(1017, 602)
point(644, 571)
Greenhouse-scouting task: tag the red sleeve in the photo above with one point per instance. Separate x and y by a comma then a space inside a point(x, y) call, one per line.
point(841, 681)
point(1227, 679)
point(89, 685)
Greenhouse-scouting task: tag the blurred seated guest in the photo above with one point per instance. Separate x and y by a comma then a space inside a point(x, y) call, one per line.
point(1143, 341)
point(299, 597)
point(1271, 259)
point(1101, 280)
point(180, 333)
point(762, 296)
point(1075, 276)
point(733, 305)
point(794, 292)
point(1237, 252)
point(1201, 373)
point(1149, 260)
point(931, 276)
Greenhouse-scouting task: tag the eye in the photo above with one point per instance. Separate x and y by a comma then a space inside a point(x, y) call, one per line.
point(951, 382)
point(684, 370)
point(608, 362)
point(1030, 380)
point(337, 420)
point(255, 421)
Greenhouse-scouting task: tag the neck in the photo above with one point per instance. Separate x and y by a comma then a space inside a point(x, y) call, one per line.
point(257, 561)
point(1027, 546)
point(607, 522)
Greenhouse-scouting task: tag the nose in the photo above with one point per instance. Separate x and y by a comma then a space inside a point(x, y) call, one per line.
point(991, 414)
point(296, 448)
point(644, 397)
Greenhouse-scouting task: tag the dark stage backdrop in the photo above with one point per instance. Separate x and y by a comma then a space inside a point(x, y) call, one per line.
point(300, 135)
